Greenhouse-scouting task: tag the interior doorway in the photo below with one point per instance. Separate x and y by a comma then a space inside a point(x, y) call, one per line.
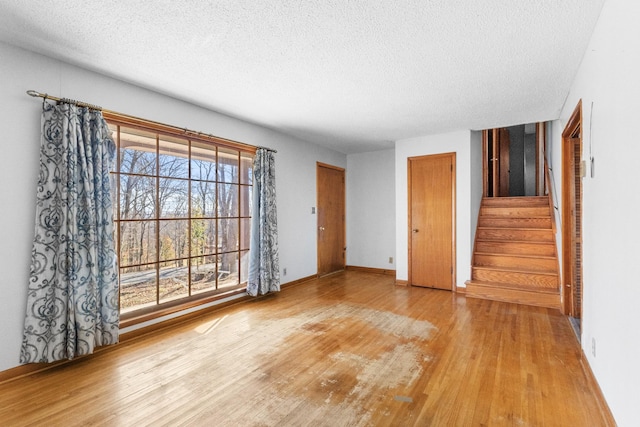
point(572, 171)
point(331, 219)
point(432, 250)
point(513, 161)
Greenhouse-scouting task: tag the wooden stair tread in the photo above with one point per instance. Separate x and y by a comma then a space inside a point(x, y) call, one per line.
point(516, 204)
point(484, 227)
point(506, 242)
point(516, 217)
point(545, 248)
point(510, 255)
point(520, 234)
point(515, 270)
point(515, 243)
point(515, 199)
point(532, 239)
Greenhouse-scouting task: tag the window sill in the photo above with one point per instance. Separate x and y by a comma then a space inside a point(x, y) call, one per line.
point(156, 312)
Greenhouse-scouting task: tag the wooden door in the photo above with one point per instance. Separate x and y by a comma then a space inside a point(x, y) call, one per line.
point(504, 147)
point(496, 145)
point(496, 159)
point(431, 221)
point(331, 219)
point(540, 158)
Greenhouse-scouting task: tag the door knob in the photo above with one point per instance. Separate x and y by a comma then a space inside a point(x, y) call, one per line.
point(415, 230)
point(321, 228)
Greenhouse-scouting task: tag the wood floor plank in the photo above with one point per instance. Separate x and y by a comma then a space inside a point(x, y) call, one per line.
point(350, 349)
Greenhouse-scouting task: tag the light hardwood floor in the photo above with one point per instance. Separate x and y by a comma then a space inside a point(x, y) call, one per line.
point(349, 349)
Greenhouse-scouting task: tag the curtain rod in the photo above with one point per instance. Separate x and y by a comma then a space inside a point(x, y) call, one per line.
point(96, 107)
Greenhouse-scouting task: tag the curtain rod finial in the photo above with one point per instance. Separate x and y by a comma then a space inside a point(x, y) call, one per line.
point(33, 93)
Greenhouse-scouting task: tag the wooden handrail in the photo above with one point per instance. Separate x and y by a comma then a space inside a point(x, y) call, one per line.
point(549, 188)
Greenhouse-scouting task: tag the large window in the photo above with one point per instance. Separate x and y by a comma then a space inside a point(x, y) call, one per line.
point(183, 209)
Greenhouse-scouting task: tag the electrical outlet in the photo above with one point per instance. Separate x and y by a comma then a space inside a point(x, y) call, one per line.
point(284, 271)
point(390, 260)
point(593, 347)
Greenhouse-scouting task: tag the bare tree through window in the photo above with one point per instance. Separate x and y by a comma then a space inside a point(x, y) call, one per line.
point(183, 217)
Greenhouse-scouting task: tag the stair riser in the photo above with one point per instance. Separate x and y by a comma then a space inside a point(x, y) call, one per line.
point(529, 280)
point(516, 248)
point(544, 223)
point(515, 212)
point(545, 265)
point(515, 201)
point(515, 234)
point(514, 296)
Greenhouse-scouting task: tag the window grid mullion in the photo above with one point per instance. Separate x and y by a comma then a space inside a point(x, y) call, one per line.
point(216, 212)
point(157, 218)
point(190, 219)
point(239, 227)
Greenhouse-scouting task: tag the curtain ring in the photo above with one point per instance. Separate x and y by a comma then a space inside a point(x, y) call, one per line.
point(44, 99)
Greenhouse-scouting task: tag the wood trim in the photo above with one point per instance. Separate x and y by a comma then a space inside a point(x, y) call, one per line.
point(503, 162)
point(24, 370)
point(128, 337)
point(485, 163)
point(131, 335)
point(541, 158)
point(326, 165)
point(298, 281)
point(572, 128)
point(409, 224)
point(593, 385)
point(383, 271)
point(454, 228)
point(460, 290)
point(170, 130)
point(140, 316)
point(402, 283)
point(567, 225)
point(495, 156)
point(574, 122)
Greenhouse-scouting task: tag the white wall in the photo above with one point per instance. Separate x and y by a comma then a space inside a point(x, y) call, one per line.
point(609, 79)
point(21, 70)
point(460, 143)
point(371, 209)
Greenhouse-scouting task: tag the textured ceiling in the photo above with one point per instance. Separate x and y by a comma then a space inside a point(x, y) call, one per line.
point(350, 75)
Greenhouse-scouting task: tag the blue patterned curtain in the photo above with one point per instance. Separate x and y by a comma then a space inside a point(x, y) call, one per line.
point(72, 300)
point(264, 268)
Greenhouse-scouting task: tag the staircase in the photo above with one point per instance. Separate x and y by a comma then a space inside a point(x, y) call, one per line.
point(515, 257)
